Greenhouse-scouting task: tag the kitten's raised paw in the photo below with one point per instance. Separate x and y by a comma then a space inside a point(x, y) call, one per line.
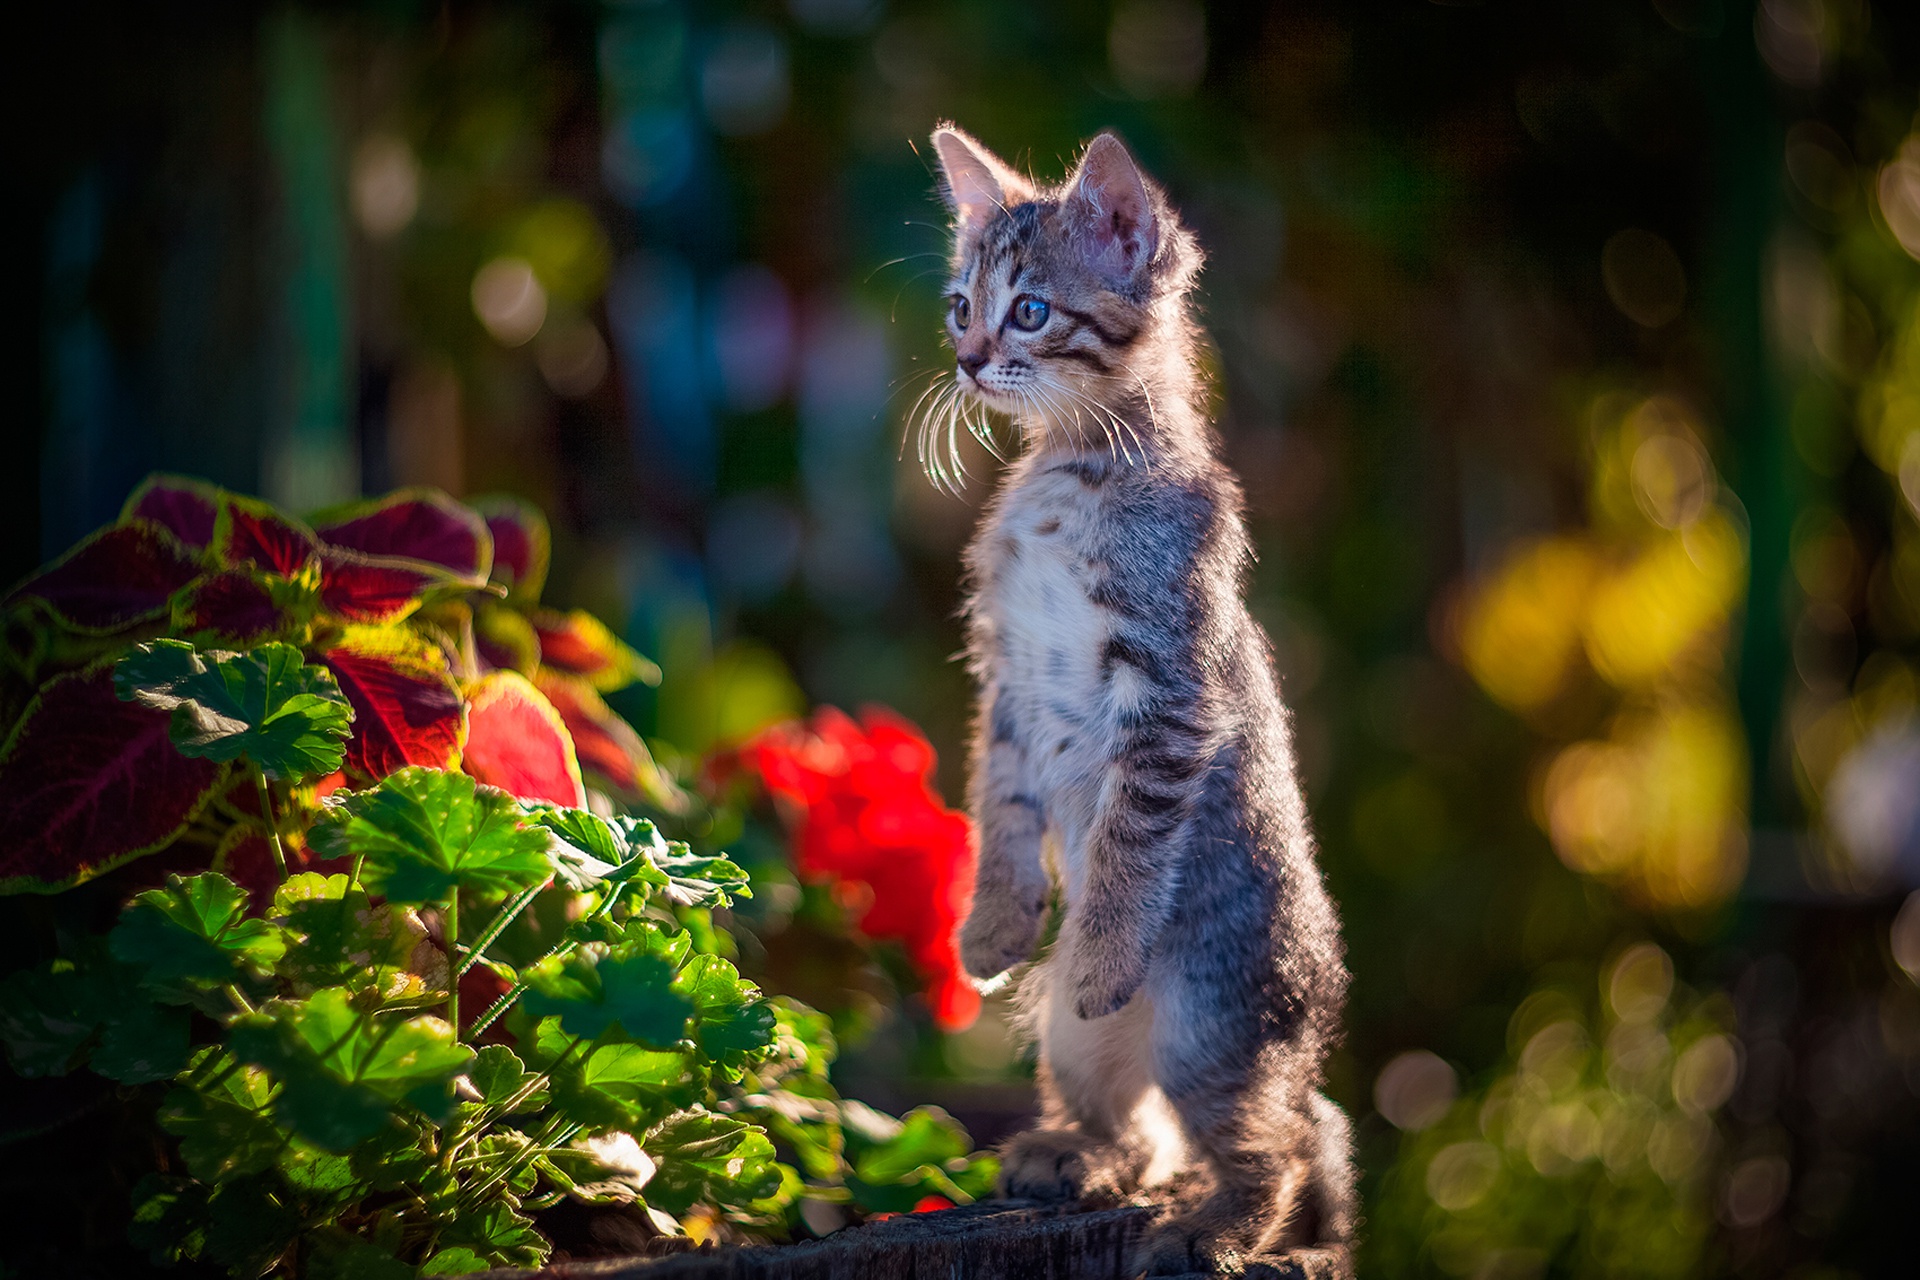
point(1059, 1164)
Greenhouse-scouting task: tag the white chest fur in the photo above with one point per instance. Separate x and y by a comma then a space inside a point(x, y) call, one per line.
point(1045, 640)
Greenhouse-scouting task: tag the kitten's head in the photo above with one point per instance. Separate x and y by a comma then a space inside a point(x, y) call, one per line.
point(1062, 301)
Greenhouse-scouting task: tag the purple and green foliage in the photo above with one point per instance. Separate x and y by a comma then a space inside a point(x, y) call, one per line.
point(359, 752)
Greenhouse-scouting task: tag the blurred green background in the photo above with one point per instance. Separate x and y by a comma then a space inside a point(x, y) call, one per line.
point(1570, 354)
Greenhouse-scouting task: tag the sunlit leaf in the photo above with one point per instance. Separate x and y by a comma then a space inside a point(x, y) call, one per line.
point(579, 644)
point(588, 850)
point(116, 578)
point(223, 1125)
point(731, 1023)
point(504, 638)
point(693, 879)
point(249, 531)
point(342, 1070)
point(88, 782)
point(610, 752)
point(195, 929)
point(414, 524)
point(268, 704)
point(705, 1157)
point(629, 986)
point(516, 741)
point(499, 1234)
point(407, 708)
point(497, 1074)
point(423, 832)
point(521, 544)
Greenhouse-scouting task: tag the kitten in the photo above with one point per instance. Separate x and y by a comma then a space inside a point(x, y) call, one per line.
point(1129, 712)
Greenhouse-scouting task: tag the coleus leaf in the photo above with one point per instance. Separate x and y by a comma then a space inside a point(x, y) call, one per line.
point(239, 608)
point(247, 531)
point(353, 585)
point(88, 782)
point(629, 986)
point(710, 1158)
point(606, 745)
point(516, 741)
point(343, 1071)
point(182, 505)
point(579, 644)
point(195, 929)
point(414, 524)
point(116, 578)
point(522, 545)
point(423, 833)
point(269, 704)
point(407, 708)
point(504, 638)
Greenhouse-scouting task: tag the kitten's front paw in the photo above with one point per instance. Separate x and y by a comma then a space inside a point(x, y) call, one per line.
point(998, 936)
point(1059, 1164)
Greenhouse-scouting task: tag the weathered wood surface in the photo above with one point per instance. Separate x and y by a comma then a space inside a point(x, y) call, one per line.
point(998, 1240)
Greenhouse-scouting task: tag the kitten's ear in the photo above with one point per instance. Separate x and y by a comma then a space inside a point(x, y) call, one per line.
point(974, 181)
point(1111, 213)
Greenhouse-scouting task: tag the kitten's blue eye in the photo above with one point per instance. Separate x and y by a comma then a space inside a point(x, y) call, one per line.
point(1029, 313)
point(962, 311)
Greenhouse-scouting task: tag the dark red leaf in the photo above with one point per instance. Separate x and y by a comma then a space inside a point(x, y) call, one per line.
point(363, 588)
point(522, 544)
point(88, 782)
point(234, 607)
point(516, 741)
point(580, 644)
point(251, 532)
point(121, 575)
point(186, 507)
point(406, 708)
point(416, 524)
point(606, 745)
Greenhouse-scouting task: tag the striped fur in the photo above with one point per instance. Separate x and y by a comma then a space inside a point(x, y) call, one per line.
point(1130, 723)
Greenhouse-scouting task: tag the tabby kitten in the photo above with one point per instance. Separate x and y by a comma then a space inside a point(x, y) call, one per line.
point(1129, 718)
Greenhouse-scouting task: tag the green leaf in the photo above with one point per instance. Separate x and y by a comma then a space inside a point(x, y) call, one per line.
point(333, 1253)
point(926, 1137)
point(249, 1225)
point(224, 1127)
point(625, 1086)
point(499, 1235)
point(731, 1023)
point(267, 704)
point(693, 880)
point(708, 1158)
point(425, 833)
point(629, 986)
point(337, 936)
point(589, 850)
point(46, 1019)
point(497, 1074)
point(318, 1174)
point(343, 1071)
point(195, 930)
point(169, 1218)
point(57, 1016)
point(454, 1262)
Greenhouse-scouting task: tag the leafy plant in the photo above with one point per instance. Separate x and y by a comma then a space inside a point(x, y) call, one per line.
point(410, 975)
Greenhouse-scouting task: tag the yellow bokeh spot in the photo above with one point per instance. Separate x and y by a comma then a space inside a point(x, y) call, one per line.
point(1646, 616)
point(1520, 635)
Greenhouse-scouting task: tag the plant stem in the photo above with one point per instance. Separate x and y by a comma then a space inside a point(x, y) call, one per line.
point(500, 922)
point(453, 949)
point(273, 825)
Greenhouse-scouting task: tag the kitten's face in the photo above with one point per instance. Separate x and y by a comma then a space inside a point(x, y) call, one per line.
point(1050, 290)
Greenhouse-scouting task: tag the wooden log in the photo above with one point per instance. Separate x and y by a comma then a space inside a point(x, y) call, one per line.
point(995, 1240)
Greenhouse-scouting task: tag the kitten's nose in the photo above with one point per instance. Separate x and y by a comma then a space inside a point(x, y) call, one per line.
point(973, 362)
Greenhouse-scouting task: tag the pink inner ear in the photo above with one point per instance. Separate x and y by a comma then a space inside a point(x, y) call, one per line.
point(1119, 215)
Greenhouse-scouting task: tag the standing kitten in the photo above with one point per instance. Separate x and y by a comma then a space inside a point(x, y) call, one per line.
point(1129, 709)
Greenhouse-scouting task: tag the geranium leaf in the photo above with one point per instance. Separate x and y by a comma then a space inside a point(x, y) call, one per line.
point(46, 1019)
point(185, 507)
point(454, 1262)
point(344, 1071)
point(522, 545)
point(249, 1225)
point(705, 1157)
point(88, 782)
point(55, 1016)
point(624, 1086)
point(516, 741)
point(169, 1218)
point(589, 850)
point(732, 1024)
point(334, 1253)
point(580, 644)
point(120, 576)
point(414, 524)
point(629, 986)
point(500, 1235)
point(224, 1127)
point(608, 748)
point(407, 709)
point(338, 937)
point(693, 879)
point(424, 832)
point(269, 704)
point(195, 929)
point(497, 1074)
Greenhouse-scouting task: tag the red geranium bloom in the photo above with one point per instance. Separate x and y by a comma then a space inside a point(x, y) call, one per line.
point(866, 820)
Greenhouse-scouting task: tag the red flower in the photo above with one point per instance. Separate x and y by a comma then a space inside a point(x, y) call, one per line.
point(866, 820)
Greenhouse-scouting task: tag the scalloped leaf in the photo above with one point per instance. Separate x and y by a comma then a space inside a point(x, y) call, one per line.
point(195, 929)
point(113, 579)
point(522, 544)
point(516, 741)
point(413, 524)
point(269, 704)
point(705, 1157)
point(629, 986)
point(88, 782)
point(184, 506)
point(424, 832)
point(579, 644)
point(342, 1071)
point(407, 709)
point(606, 745)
